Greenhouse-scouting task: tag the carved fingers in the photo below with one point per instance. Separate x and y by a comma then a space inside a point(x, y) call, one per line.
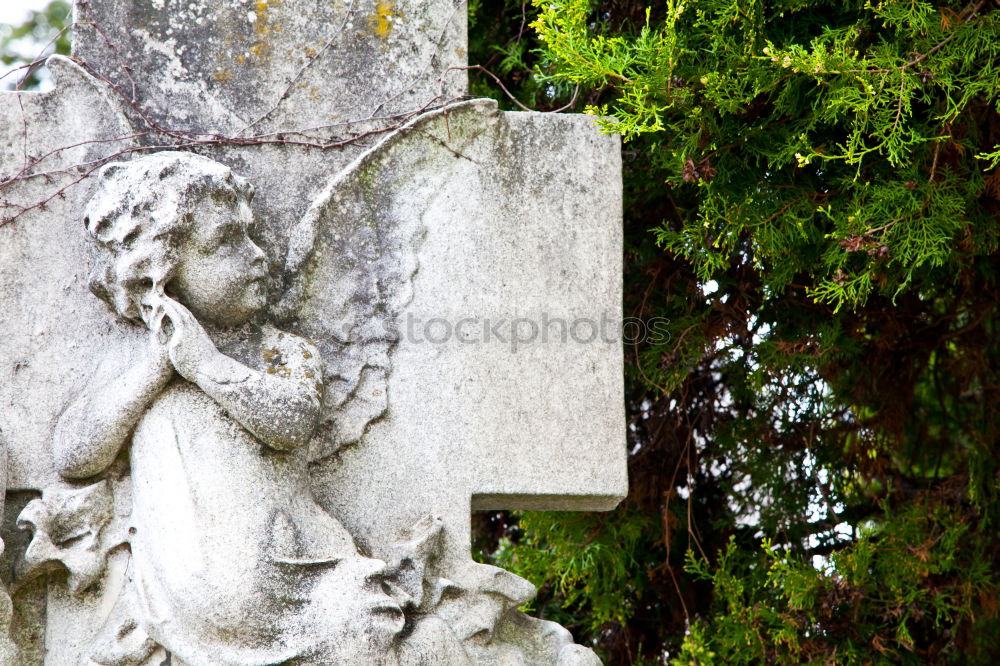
point(188, 345)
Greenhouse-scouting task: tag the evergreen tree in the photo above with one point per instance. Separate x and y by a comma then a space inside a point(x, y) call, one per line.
point(812, 200)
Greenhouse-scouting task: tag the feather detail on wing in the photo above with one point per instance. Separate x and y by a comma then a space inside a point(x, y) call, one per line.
point(353, 257)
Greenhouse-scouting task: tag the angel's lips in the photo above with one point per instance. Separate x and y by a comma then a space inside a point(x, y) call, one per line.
point(388, 615)
point(259, 281)
point(387, 609)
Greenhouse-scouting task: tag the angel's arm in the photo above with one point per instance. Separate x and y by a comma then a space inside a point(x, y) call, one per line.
point(93, 428)
point(280, 411)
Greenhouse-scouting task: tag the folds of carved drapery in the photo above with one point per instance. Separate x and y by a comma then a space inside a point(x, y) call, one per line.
point(74, 530)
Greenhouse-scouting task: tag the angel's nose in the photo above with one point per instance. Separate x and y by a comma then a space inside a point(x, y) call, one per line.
point(373, 570)
point(257, 255)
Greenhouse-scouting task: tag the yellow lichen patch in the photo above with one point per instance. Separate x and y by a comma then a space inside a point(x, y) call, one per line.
point(223, 75)
point(260, 9)
point(269, 354)
point(307, 354)
point(263, 27)
point(381, 20)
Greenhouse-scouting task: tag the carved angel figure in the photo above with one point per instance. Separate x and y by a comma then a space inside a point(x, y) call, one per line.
point(233, 560)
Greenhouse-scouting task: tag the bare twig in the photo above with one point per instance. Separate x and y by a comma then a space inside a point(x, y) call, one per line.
point(160, 137)
point(509, 94)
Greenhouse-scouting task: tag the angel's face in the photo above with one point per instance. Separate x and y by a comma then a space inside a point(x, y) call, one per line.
point(357, 618)
point(221, 276)
point(367, 609)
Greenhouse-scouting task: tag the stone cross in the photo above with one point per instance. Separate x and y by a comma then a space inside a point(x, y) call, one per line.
point(503, 386)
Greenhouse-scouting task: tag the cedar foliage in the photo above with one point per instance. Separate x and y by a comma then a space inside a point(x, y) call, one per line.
point(812, 200)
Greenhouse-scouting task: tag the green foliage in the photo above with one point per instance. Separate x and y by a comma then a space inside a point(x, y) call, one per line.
point(798, 127)
point(812, 198)
point(501, 41)
point(40, 35)
point(915, 575)
point(595, 562)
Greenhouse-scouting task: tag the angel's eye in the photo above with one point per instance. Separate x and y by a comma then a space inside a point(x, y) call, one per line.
point(139, 285)
point(224, 196)
point(226, 235)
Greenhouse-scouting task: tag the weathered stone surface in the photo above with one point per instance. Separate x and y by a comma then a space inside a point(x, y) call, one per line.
point(52, 328)
point(265, 71)
point(284, 410)
point(233, 66)
point(8, 649)
point(485, 421)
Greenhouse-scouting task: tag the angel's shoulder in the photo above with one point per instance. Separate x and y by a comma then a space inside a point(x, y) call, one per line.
point(289, 346)
point(284, 340)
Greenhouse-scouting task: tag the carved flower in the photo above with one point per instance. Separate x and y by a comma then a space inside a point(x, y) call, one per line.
point(66, 528)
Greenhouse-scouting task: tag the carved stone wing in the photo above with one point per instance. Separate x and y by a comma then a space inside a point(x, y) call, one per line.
point(352, 260)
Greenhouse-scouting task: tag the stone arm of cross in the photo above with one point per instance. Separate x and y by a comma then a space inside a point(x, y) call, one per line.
point(279, 406)
point(91, 431)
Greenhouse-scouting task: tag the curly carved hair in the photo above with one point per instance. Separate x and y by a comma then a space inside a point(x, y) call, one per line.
point(139, 215)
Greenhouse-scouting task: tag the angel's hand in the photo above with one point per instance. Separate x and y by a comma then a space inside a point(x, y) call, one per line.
point(188, 346)
point(157, 359)
point(93, 428)
point(279, 412)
